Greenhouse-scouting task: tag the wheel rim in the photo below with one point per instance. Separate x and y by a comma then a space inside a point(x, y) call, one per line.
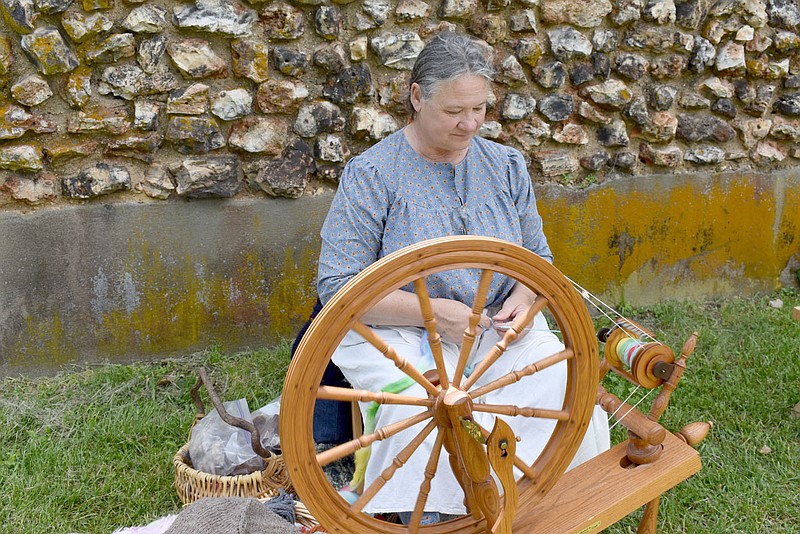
point(373, 284)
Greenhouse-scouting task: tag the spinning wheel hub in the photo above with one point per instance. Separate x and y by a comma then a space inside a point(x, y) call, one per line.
point(449, 405)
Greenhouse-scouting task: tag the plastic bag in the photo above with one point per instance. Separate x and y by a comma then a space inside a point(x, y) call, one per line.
point(218, 448)
point(265, 419)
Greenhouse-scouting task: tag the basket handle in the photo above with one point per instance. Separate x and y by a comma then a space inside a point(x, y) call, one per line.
point(238, 422)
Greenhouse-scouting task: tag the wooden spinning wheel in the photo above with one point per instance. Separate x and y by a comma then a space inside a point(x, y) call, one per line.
point(450, 400)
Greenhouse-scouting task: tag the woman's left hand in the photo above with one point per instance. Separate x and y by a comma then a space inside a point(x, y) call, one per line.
point(452, 319)
point(517, 303)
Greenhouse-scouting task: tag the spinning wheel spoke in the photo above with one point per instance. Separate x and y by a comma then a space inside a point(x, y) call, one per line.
point(434, 340)
point(363, 395)
point(528, 471)
point(425, 487)
point(469, 334)
point(516, 376)
point(524, 411)
point(389, 352)
point(345, 449)
point(398, 462)
point(519, 324)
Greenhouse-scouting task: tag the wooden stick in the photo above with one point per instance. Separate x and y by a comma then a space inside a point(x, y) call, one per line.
point(425, 487)
point(363, 395)
point(525, 411)
point(516, 376)
point(356, 422)
point(625, 374)
point(340, 451)
point(399, 362)
point(630, 417)
point(649, 521)
point(522, 321)
point(469, 334)
point(429, 320)
point(398, 462)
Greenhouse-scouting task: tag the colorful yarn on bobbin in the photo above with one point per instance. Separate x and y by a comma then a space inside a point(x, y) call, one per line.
point(646, 363)
point(628, 350)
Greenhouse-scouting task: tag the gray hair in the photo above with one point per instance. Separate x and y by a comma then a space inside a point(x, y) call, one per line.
point(447, 56)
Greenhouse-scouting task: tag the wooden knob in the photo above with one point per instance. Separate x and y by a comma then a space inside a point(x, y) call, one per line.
point(694, 433)
point(689, 346)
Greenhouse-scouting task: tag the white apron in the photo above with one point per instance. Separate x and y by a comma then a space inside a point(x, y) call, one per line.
point(366, 368)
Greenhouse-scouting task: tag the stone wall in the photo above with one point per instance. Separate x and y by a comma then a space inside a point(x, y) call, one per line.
point(217, 98)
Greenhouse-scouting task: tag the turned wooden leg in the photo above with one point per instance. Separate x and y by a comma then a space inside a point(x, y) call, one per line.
point(649, 521)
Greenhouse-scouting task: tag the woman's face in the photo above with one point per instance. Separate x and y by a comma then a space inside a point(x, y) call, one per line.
point(450, 118)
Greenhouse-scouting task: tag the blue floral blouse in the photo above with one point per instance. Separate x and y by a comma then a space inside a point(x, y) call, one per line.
point(390, 197)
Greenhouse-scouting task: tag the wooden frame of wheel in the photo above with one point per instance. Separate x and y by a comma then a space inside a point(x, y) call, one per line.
point(370, 286)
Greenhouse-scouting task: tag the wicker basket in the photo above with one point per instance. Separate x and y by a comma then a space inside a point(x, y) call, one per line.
point(192, 484)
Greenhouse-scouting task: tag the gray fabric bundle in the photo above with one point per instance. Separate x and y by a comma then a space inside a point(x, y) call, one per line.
point(229, 515)
point(283, 505)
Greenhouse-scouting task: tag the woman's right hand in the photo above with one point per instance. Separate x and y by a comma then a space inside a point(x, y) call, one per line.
point(452, 319)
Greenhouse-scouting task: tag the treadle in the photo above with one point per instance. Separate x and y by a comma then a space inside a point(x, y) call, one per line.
point(600, 492)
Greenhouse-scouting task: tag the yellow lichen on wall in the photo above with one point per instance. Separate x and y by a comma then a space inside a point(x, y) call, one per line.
point(172, 311)
point(670, 239)
point(43, 342)
point(184, 305)
point(787, 225)
point(293, 292)
point(192, 303)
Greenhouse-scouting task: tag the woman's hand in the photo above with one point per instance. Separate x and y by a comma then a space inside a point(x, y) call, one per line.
point(452, 319)
point(517, 303)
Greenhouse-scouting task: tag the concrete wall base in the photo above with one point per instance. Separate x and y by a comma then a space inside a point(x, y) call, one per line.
point(123, 281)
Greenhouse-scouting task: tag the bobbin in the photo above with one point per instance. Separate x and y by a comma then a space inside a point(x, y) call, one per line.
point(647, 363)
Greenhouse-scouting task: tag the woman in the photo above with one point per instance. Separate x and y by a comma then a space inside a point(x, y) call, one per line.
point(430, 179)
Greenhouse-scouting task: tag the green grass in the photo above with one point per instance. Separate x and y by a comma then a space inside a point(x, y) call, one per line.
point(90, 450)
point(745, 377)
